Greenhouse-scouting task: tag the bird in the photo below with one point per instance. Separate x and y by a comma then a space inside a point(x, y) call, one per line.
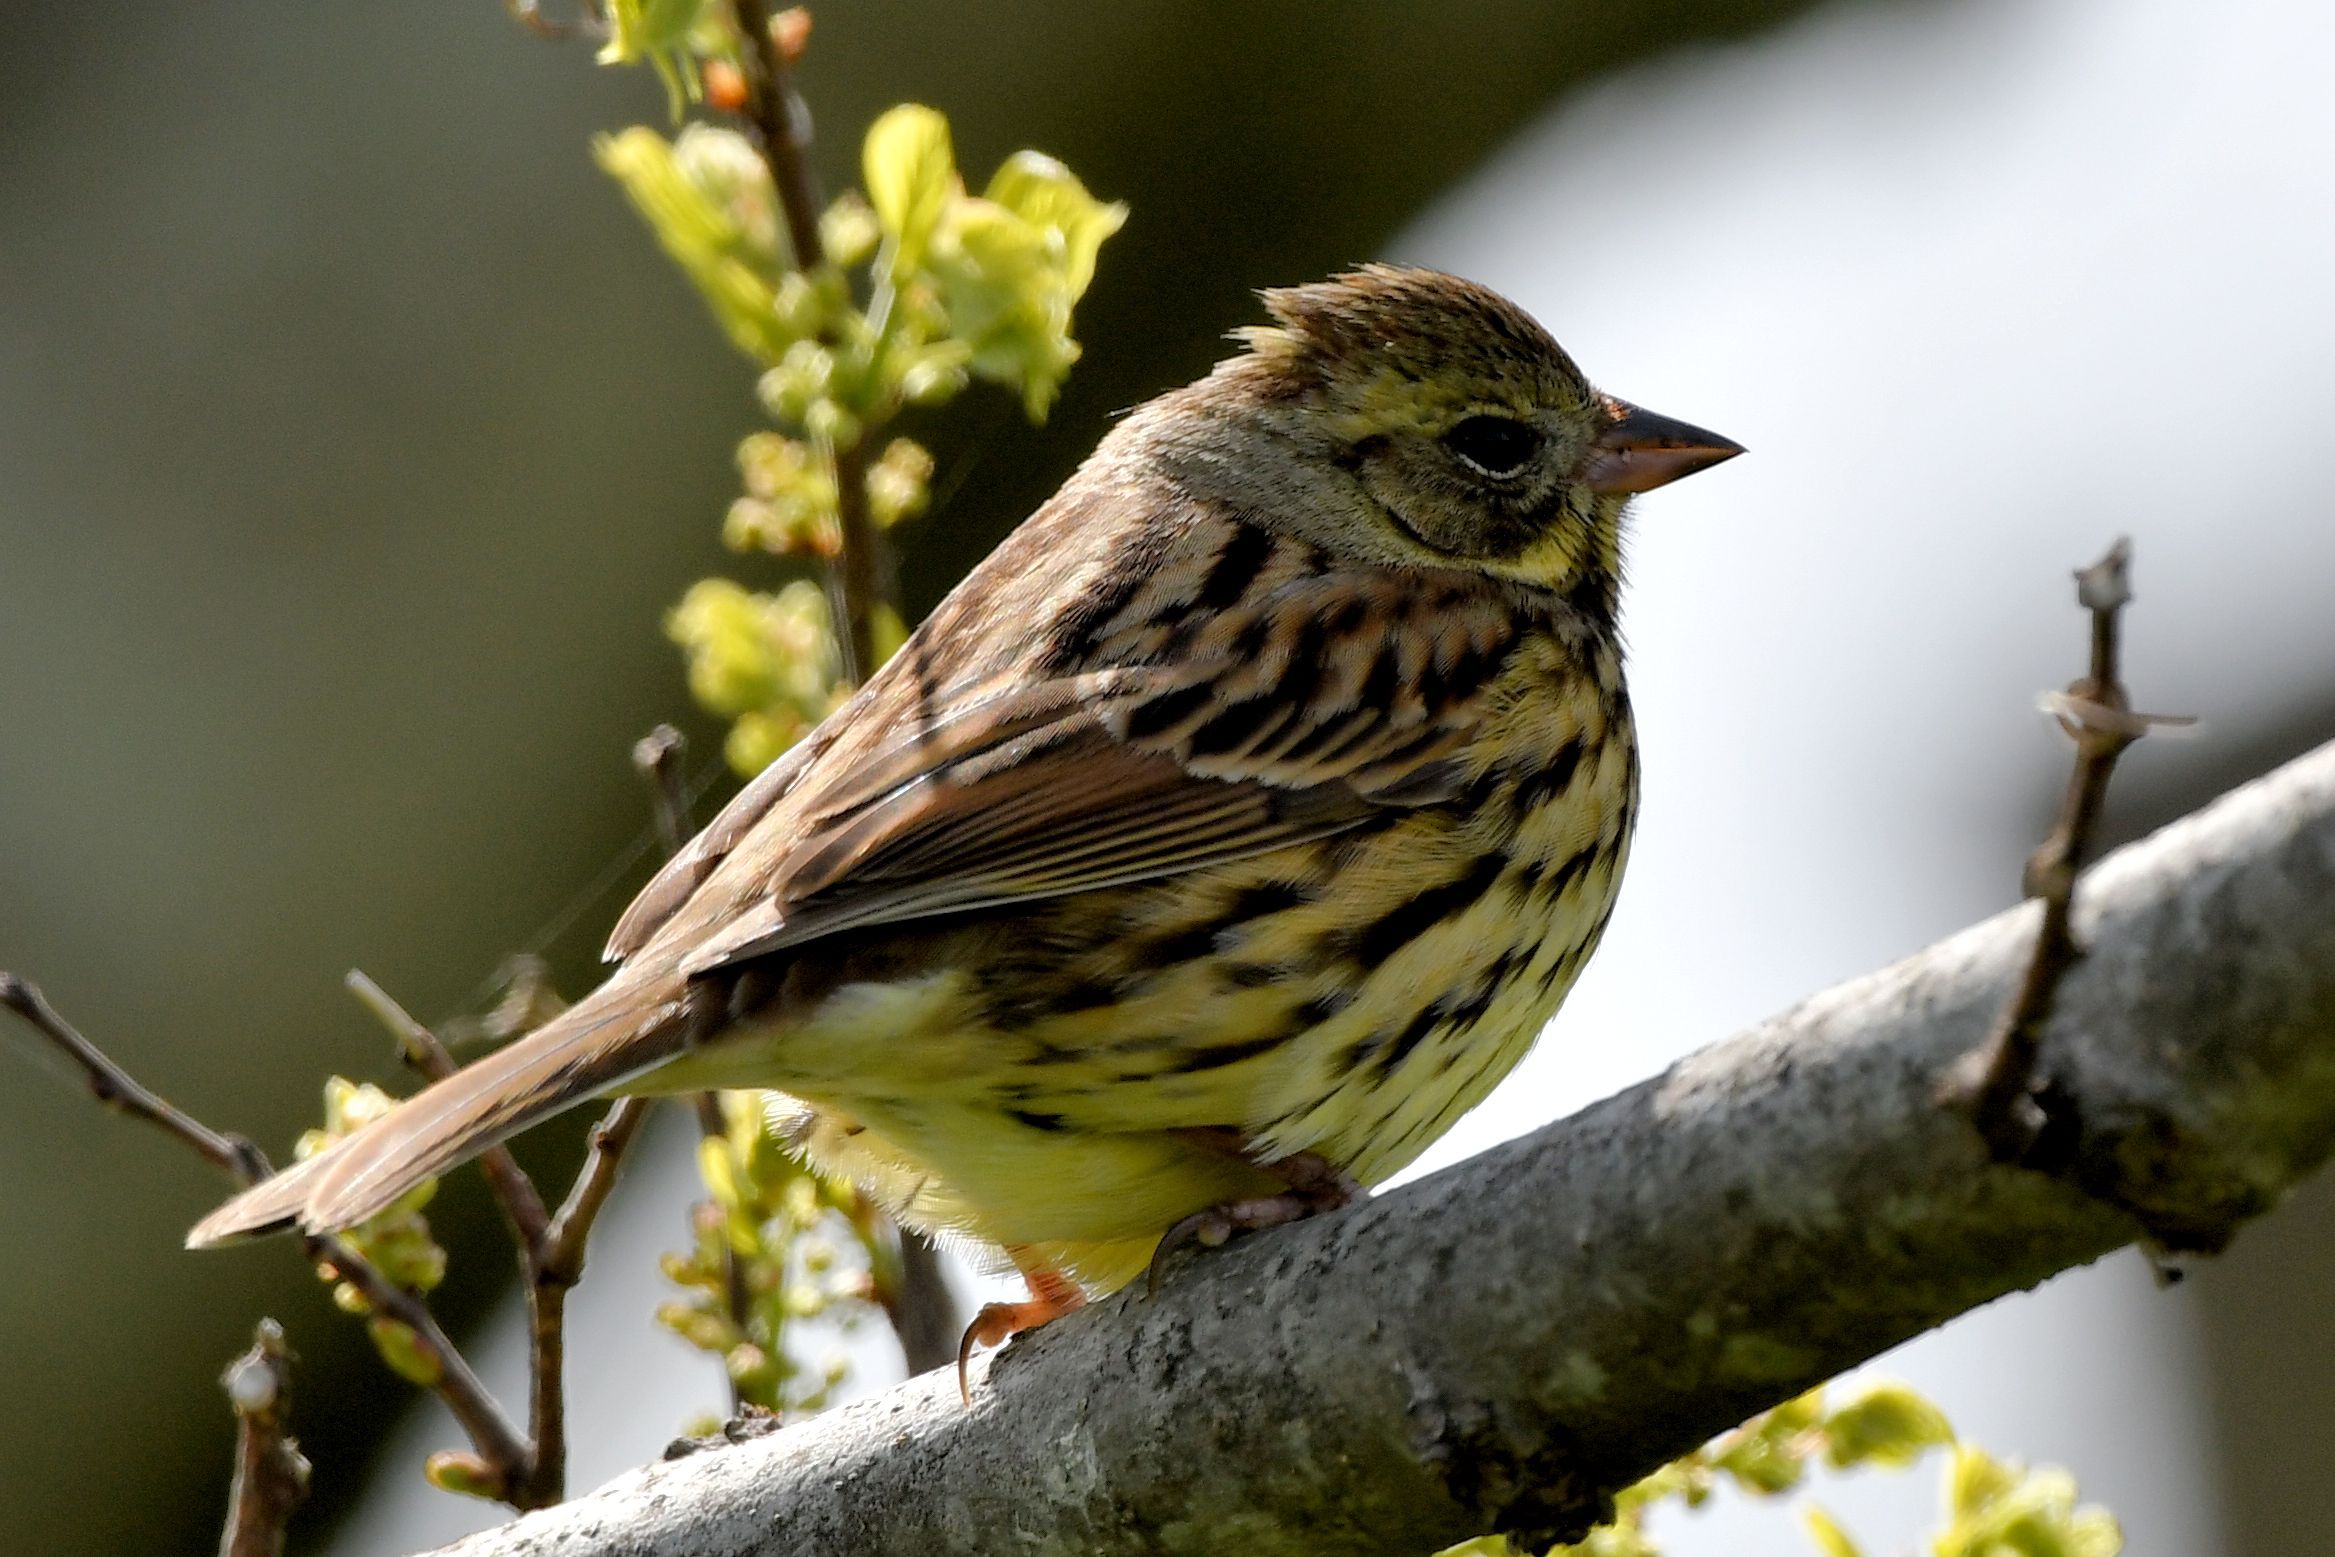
point(1229, 832)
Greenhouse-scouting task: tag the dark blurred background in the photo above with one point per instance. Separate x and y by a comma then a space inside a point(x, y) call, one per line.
point(354, 437)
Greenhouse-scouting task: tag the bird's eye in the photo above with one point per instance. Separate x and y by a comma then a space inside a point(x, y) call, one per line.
point(1495, 445)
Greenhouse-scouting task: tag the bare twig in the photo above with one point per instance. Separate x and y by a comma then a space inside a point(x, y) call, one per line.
point(497, 1441)
point(271, 1475)
point(563, 1246)
point(859, 582)
point(658, 757)
point(922, 1312)
point(737, 1300)
point(586, 23)
point(504, 1452)
point(117, 1089)
point(1997, 1083)
point(557, 1264)
point(551, 1244)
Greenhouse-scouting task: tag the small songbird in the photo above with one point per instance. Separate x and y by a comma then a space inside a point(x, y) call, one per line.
point(1216, 844)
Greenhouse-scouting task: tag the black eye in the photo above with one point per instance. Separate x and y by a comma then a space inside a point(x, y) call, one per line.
point(1495, 445)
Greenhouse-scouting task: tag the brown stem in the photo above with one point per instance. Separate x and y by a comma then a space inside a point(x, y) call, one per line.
point(859, 581)
point(506, 1454)
point(1997, 1083)
point(271, 1475)
point(558, 1264)
point(737, 1301)
point(924, 1314)
point(498, 1443)
point(555, 1253)
point(117, 1089)
point(659, 757)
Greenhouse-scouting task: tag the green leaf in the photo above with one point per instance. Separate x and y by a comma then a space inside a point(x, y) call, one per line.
point(1830, 1538)
point(1769, 1454)
point(403, 1350)
point(1887, 1425)
point(1006, 300)
point(910, 170)
point(708, 199)
point(659, 32)
point(452, 1470)
point(1976, 1481)
point(1998, 1509)
point(1044, 193)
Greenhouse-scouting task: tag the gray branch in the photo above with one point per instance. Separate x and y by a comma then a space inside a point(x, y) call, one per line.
point(1505, 1344)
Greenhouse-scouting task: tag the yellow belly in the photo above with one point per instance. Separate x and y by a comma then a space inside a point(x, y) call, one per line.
point(1352, 998)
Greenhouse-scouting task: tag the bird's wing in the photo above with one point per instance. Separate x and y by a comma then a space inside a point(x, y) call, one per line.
point(1301, 713)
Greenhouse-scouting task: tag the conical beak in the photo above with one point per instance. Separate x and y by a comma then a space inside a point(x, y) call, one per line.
point(1640, 450)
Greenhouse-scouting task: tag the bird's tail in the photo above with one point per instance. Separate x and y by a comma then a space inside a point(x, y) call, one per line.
point(632, 1023)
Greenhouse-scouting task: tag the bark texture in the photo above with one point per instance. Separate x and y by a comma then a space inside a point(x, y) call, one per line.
point(1505, 1344)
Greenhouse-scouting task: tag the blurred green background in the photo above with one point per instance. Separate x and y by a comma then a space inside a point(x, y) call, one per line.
point(354, 438)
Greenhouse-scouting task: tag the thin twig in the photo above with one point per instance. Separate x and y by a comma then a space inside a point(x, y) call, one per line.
point(271, 1475)
point(557, 1266)
point(117, 1089)
point(1997, 1082)
point(923, 1313)
point(497, 1441)
point(515, 1193)
point(737, 1300)
point(586, 23)
point(859, 581)
point(659, 757)
point(563, 1245)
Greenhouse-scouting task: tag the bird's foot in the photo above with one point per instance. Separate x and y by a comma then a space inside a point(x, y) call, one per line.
point(1052, 1295)
point(1315, 1186)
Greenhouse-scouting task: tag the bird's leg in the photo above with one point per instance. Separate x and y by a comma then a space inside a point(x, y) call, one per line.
point(1313, 1185)
point(1052, 1295)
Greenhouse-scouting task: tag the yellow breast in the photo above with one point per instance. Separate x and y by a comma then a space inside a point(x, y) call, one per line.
point(1351, 997)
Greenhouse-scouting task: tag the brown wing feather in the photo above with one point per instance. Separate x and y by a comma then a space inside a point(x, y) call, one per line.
point(1297, 713)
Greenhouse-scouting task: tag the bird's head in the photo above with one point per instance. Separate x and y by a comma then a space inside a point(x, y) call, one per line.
point(1403, 416)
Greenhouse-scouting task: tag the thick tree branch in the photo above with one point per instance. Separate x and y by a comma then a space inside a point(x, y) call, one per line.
point(1505, 1344)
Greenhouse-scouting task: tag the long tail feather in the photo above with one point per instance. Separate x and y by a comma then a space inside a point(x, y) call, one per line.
point(633, 1023)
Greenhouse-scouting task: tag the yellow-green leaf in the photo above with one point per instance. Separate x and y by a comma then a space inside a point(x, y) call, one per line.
point(910, 170)
point(451, 1470)
point(1830, 1538)
point(707, 198)
point(404, 1351)
point(1049, 196)
point(1887, 1425)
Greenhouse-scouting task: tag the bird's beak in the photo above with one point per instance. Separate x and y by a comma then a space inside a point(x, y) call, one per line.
point(1640, 450)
